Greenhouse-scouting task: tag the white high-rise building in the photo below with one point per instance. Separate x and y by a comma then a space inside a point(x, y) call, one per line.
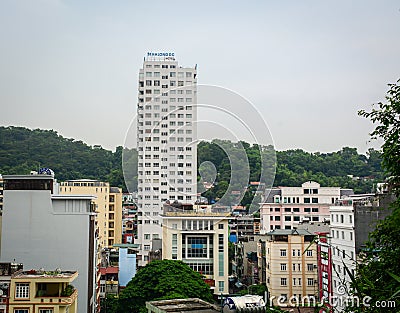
point(166, 142)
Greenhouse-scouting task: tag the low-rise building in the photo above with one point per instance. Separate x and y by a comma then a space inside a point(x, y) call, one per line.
point(6, 271)
point(40, 291)
point(242, 226)
point(181, 305)
point(198, 235)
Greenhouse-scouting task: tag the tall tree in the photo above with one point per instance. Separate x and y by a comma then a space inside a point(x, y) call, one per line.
point(378, 275)
point(387, 118)
point(158, 280)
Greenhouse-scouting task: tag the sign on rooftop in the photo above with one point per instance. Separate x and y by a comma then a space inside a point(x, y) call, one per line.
point(161, 56)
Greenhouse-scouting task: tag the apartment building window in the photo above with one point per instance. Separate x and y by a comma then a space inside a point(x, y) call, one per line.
point(45, 310)
point(21, 311)
point(221, 255)
point(309, 253)
point(283, 266)
point(310, 281)
point(310, 267)
point(174, 246)
point(307, 210)
point(146, 247)
point(204, 268)
point(307, 200)
point(283, 281)
point(197, 247)
point(314, 200)
point(146, 236)
point(221, 286)
point(22, 290)
point(315, 210)
point(288, 218)
point(283, 252)
point(343, 234)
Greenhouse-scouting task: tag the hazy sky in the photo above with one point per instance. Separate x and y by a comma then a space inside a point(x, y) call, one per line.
point(307, 66)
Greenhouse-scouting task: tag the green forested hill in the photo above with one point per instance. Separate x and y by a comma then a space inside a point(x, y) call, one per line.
point(23, 150)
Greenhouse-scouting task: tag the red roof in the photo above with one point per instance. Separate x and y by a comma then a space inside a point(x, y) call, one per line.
point(109, 270)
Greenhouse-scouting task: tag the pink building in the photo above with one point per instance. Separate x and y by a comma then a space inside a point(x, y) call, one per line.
point(286, 207)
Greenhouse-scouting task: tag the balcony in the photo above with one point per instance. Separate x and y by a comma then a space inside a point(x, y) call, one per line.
point(63, 300)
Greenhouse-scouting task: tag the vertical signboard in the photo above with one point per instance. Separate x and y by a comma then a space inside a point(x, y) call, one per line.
point(324, 259)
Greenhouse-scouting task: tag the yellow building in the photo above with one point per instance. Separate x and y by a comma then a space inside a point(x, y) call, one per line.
point(291, 266)
point(43, 292)
point(108, 206)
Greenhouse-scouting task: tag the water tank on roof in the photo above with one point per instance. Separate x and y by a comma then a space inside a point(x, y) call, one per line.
point(46, 171)
point(250, 302)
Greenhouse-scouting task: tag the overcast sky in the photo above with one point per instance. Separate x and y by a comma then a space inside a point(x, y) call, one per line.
point(307, 66)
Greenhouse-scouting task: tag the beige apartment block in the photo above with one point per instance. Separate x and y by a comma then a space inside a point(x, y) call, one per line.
point(198, 236)
point(291, 265)
point(108, 207)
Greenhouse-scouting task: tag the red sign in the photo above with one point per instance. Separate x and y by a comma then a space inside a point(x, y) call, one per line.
point(324, 259)
point(210, 282)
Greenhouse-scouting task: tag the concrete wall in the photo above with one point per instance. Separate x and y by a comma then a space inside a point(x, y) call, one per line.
point(367, 217)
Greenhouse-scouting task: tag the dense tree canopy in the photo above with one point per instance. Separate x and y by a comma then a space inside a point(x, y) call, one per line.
point(158, 280)
point(23, 150)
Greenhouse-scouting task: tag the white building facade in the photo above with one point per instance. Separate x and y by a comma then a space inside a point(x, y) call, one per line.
point(343, 249)
point(198, 236)
point(166, 142)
